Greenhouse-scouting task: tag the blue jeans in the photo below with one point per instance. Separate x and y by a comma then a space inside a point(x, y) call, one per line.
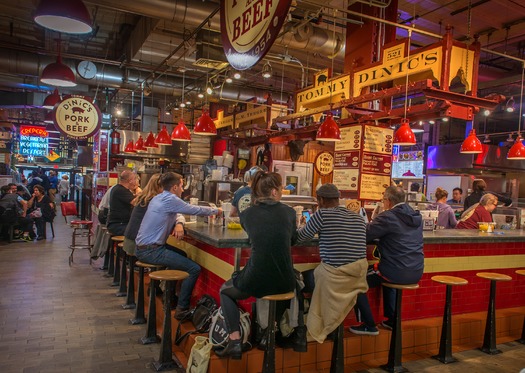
point(163, 256)
point(362, 307)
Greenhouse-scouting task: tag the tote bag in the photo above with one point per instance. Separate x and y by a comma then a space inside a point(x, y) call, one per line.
point(199, 356)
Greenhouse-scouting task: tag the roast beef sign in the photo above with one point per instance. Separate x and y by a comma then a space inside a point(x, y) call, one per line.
point(249, 28)
point(77, 117)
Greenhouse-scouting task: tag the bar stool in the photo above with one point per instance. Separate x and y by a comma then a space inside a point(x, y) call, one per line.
point(489, 340)
point(81, 228)
point(130, 292)
point(140, 318)
point(269, 352)
point(337, 364)
point(122, 290)
point(116, 268)
point(395, 350)
point(170, 276)
point(151, 327)
point(522, 339)
point(445, 343)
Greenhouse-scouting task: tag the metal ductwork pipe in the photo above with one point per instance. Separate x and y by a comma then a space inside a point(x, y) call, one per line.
point(29, 64)
point(312, 38)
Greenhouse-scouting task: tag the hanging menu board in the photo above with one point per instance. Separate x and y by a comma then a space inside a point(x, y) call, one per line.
point(347, 157)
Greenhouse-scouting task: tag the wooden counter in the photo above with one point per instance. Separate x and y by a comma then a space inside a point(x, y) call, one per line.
point(455, 252)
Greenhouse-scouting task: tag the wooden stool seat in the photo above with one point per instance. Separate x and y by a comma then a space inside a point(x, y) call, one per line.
point(450, 280)
point(169, 275)
point(521, 272)
point(81, 222)
point(147, 265)
point(276, 297)
point(445, 343)
point(117, 238)
point(494, 276)
point(401, 286)
point(489, 339)
point(120, 244)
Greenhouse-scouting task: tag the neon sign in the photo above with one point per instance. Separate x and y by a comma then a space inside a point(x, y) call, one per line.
point(34, 141)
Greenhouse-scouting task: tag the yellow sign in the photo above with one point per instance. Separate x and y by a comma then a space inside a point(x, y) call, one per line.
point(52, 156)
point(77, 117)
point(322, 90)
point(396, 65)
point(253, 114)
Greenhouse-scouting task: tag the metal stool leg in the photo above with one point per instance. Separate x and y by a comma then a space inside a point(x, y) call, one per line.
point(130, 294)
point(122, 291)
point(139, 311)
point(166, 361)
point(489, 340)
point(445, 343)
point(151, 328)
point(111, 265)
point(522, 339)
point(116, 274)
point(269, 352)
point(395, 351)
point(338, 356)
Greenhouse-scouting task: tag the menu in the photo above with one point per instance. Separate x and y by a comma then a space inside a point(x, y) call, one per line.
point(346, 179)
point(378, 140)
point(350, 138)
point(372, 186)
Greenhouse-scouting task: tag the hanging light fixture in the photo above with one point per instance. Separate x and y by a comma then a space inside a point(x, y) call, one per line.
point(404, 134)
point(139, 145)
point(471, 145)
point(228, 76)
point(517, 151)
point(163, 137)
point(68, 16)
point(58, 74)
point(51, 100)
point(328, 130)
point(181, 132)
point(49, 118)
point(266, 70)
point(130, 148)
point(237, 75)
point(150, 141)
point(486, 140)
point(205, 125)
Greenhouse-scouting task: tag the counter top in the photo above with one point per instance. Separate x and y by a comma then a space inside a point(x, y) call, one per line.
point(223, 237)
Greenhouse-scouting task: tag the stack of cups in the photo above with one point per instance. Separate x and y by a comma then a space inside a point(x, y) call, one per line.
point(193, 201)
point(298, 213)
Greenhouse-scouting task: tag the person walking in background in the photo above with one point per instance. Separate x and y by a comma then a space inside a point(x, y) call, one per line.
point(457, 195)
point(53, 183)
point(398, 233)
point(271, 228)
point(63, 188)
point(480, 213)
point(341, 276)
point(156, 226)
point(446, 217)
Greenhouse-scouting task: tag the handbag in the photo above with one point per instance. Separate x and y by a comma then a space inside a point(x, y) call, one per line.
point(199, 356)
point(219, 335)
point(37, 213)
point(200, 317)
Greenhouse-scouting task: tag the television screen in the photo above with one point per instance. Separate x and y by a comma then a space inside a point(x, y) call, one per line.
point(407, 169)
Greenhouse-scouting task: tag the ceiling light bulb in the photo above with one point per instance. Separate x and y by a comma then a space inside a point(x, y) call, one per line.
point(182, 104)
point(119, 112)
point(486, 112)
point(200, 94)
point(267, 70)
point(188, 102)
point(445, 119)
point(237, 75)
point(431, 122)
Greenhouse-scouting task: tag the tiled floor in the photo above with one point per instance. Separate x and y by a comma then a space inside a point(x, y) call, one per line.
point(55, 318)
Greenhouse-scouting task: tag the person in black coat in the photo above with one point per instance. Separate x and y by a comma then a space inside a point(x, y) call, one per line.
point(270, 254)
point(479, 187)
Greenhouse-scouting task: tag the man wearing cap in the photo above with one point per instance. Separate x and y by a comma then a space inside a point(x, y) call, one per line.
point(242, 198)
point(398, 234)
point(342, 247)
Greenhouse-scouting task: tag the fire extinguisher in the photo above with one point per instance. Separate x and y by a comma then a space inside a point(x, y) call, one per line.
point(115, 142)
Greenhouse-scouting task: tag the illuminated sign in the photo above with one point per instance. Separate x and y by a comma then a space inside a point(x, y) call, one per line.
point(323, 89)
point(395, 65)
point(249, 28)
point(77, 117)
point(33, 141)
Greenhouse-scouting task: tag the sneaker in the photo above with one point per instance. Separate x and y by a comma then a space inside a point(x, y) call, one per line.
point(388, 324)
point(182, 313)
point(26, 238)
point(364, 329)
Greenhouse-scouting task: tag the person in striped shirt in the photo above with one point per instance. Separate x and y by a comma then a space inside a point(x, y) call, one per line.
point(343, 267)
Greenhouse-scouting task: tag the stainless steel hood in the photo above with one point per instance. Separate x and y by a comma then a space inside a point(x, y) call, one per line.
point(493, 158)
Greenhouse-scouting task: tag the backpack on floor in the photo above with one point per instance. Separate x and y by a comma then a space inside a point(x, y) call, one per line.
point(200, 316)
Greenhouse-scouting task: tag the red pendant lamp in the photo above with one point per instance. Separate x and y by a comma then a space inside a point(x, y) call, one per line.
point(471, 145)
point(139, 145)
point(328, 130)
point(163, 137)
point(205, 125)
point(181, 132)
point(150, 141)
point(67, 16)
point(404, 134)
point(517, 151)
point(51, 100)
point(130, 148)
point(58, 74)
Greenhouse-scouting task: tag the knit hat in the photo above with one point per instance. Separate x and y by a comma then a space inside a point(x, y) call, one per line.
point(328, 191)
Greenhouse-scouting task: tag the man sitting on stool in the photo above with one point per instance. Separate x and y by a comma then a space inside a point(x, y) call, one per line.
point(398, 233)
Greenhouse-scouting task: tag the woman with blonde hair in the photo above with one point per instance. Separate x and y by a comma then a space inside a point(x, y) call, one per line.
point(446, 217)
point(481, 213)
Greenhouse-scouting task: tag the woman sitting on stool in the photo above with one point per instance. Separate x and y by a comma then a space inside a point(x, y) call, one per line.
point(269, 269)
point(41, 202)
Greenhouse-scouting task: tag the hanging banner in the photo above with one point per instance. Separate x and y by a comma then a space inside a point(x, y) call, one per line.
point(77, 117)
point(249, 28)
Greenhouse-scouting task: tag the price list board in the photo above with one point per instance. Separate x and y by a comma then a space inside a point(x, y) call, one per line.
point(347, 157)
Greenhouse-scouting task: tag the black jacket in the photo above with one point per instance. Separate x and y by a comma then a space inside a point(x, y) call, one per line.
point(272, 230)
point(476, 196)
point(398, 233)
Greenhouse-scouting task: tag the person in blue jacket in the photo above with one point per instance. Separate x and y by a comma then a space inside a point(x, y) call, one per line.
point(398, 234)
